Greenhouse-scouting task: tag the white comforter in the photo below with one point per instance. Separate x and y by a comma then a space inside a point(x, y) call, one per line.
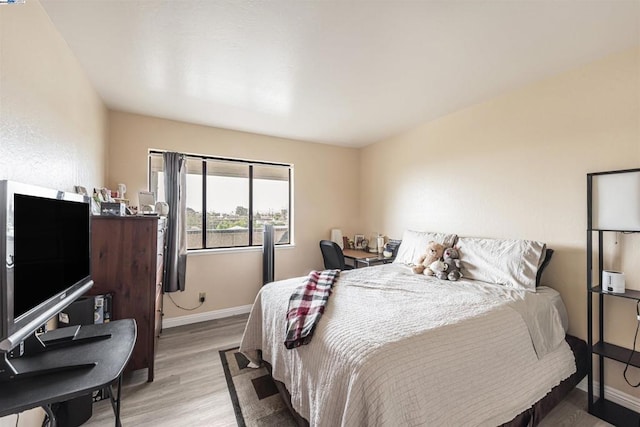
point(395, 349)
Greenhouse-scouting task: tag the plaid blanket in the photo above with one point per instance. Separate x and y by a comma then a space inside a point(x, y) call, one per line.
point(306, 306)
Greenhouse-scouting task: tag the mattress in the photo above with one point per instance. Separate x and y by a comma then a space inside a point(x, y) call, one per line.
point(394, 348)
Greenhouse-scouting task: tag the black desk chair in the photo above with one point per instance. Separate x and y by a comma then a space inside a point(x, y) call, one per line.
point(333, 256)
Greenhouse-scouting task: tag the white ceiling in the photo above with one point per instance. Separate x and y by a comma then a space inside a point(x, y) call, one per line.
point(341, 72)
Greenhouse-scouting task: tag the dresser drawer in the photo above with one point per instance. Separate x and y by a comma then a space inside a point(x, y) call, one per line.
point(159, 271)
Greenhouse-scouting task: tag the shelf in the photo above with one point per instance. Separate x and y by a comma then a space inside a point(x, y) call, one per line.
point(613, 231)
point(629, 293)
point(607, 194)
point(615, 414)
point(615, 352)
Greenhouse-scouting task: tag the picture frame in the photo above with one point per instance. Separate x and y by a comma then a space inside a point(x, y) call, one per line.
point(81, 190)
point(147, 201)
point(358, 238)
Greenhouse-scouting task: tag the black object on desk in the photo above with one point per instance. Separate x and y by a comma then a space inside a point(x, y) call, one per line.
point(366, 259)
point(109, 355)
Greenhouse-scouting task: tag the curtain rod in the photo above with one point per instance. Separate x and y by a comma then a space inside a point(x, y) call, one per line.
point(227, 159)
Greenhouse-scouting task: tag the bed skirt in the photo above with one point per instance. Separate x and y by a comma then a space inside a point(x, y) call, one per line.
point(529, 418)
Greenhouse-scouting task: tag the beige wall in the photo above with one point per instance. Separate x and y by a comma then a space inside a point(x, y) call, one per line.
point(515, 167)
point(326, 182)
point(52, 122)
point(512, 167)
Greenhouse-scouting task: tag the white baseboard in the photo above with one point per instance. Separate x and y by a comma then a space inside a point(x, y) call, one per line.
point(172, 322)
point(612, 394)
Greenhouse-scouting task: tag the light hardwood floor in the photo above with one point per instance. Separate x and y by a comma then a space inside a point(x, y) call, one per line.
point(190, 388)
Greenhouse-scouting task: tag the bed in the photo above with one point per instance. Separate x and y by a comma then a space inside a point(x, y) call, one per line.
point(395, 348)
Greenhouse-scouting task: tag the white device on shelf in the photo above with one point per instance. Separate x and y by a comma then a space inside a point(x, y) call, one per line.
point(613, 282)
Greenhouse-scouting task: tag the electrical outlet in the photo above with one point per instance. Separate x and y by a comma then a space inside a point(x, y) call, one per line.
point(202, 296)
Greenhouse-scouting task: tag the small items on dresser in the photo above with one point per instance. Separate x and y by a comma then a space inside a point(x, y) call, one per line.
point(113, 209)
point(162, 208)
point(108, 202)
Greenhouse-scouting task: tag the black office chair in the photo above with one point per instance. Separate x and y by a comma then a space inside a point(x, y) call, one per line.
point(333, 256)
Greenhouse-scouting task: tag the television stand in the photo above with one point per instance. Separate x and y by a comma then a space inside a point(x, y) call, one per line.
point(61, 337)
point(58, 338)
point(24, 366)
point(17, 369)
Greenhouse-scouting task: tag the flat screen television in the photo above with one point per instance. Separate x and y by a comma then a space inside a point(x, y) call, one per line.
point(45, 241)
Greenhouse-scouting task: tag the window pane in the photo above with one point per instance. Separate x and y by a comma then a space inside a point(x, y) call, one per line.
point(156, 178)
point(224, 210)
point(194, 204)
point(227, 204)
point(271, 202)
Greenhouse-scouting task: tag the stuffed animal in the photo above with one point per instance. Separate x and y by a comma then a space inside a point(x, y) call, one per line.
point(451, 259)
point(433, 253)
point(439, 269)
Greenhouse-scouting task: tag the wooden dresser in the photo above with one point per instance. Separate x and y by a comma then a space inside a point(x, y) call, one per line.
point(126, 260)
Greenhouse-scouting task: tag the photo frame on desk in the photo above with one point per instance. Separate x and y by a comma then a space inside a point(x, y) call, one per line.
point(358, 239)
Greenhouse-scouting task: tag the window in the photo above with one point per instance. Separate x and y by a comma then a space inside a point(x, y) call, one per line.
point(229, 200)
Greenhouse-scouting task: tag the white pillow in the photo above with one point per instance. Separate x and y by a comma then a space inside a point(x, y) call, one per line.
point(414, 244)
point(512, 263)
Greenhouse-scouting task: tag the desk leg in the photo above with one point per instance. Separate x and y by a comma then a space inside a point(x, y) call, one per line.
point(117, 408)
point(52, 417)
point(115, 400)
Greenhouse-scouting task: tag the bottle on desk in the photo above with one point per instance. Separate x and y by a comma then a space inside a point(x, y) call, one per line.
point(380, 240)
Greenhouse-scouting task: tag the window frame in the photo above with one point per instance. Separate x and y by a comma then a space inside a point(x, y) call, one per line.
point(250, 226)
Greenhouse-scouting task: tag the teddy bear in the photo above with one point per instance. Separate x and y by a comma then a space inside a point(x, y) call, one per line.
point(439, 269)
point(433, 253)
point(451, 259)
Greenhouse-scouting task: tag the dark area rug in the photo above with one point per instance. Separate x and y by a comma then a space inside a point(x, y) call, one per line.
point(253, 393)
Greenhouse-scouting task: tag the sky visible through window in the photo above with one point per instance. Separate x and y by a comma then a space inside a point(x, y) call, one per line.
point(229, 193)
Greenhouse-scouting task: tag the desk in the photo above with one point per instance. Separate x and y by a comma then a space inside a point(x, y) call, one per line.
point(365, 259)
point(111, 356)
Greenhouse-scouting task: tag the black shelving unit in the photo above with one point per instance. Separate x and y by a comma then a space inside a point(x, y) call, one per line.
point(602, 408)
